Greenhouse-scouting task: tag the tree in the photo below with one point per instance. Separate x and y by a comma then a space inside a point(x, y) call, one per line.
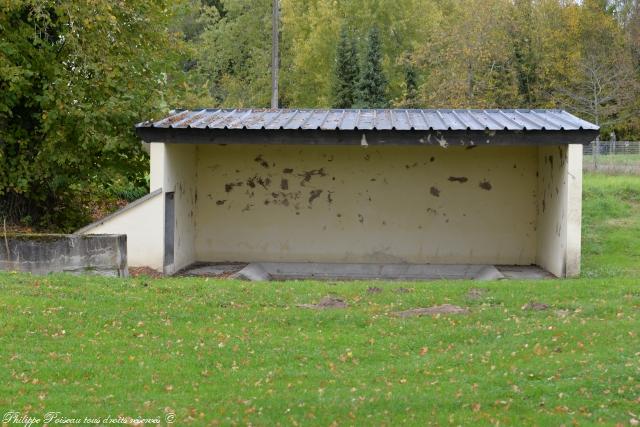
point(310, 34)
point(523, 32)
point(372, 86)
point(346, 72)
point(604, 86)
point(234, 52)
point(467, 63)
point(74, 78)
point(410, 88)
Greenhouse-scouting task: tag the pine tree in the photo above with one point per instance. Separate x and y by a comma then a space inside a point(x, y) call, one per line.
point(410, 95)
point(372, 87)
point(346, 72)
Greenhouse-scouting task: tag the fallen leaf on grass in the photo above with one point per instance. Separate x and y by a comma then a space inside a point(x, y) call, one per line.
point(562, 313)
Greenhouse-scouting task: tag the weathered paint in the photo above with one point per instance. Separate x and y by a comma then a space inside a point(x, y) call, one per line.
point(403, 204)
point(104, 255)
point(559, 209)
point(374, 204)
point(142, 224)
point(179, 176)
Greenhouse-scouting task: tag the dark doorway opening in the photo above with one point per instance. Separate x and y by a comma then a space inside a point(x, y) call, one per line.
point(169, 227)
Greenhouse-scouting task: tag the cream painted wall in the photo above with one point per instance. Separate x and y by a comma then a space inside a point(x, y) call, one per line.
point(156, 165)
point(374, 204)
point(143, 225)
point(574, 210)
point(179, 176)
point(559, 209)
point(502, 205)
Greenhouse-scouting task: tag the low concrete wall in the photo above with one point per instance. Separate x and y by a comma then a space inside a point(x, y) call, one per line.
point(102, 254)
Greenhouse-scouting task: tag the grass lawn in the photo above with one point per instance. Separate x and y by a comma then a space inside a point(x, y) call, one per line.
point(227, 352)
point(611, 226)
point(614, 164)
point(628, 159)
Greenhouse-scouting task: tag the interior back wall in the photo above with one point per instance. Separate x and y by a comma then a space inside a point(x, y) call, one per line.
point(375, 204)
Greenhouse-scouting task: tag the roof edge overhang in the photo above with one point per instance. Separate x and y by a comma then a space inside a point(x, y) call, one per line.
point(365, 137)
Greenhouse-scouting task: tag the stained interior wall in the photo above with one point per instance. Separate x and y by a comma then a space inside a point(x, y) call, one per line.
point(559, 209)
point(179, 176)
point(418, 204)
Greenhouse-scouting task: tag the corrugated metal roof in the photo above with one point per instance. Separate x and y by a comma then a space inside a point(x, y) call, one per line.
point(382, 119)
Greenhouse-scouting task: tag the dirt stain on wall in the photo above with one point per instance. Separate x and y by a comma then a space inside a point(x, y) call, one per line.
point(260, 160)
point(314, 194)
point(460, 179)
point(307, 175)
point(485, 185)
point(231, 185)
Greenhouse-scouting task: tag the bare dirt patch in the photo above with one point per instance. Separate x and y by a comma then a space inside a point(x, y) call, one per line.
point(433, 311)
point(374, 290)
point(535, 306)
point(476, 293)
point(144, 271)
point(325, 303)
point(214, 270)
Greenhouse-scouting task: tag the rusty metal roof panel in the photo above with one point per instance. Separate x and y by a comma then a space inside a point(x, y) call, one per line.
point(280, 120)
point(333, 121)
point(368, 119)
point(261, 119)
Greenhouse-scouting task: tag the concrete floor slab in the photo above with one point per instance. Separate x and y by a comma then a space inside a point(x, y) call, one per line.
point(254, 272)
point(212, 269)
point(524, 272)
point(337, 271)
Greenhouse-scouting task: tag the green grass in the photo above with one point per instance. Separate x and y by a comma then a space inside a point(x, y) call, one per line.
point(611, 226)
point(621, 159)
point(228, 353)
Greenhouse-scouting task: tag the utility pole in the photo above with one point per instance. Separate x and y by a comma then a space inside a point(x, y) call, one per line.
point(275, 32)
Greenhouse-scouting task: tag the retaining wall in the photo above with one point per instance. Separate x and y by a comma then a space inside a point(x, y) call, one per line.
point(101, 254)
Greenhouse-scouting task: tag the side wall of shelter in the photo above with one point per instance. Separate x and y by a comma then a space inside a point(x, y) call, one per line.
point(559, 209)
point(180, 177)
